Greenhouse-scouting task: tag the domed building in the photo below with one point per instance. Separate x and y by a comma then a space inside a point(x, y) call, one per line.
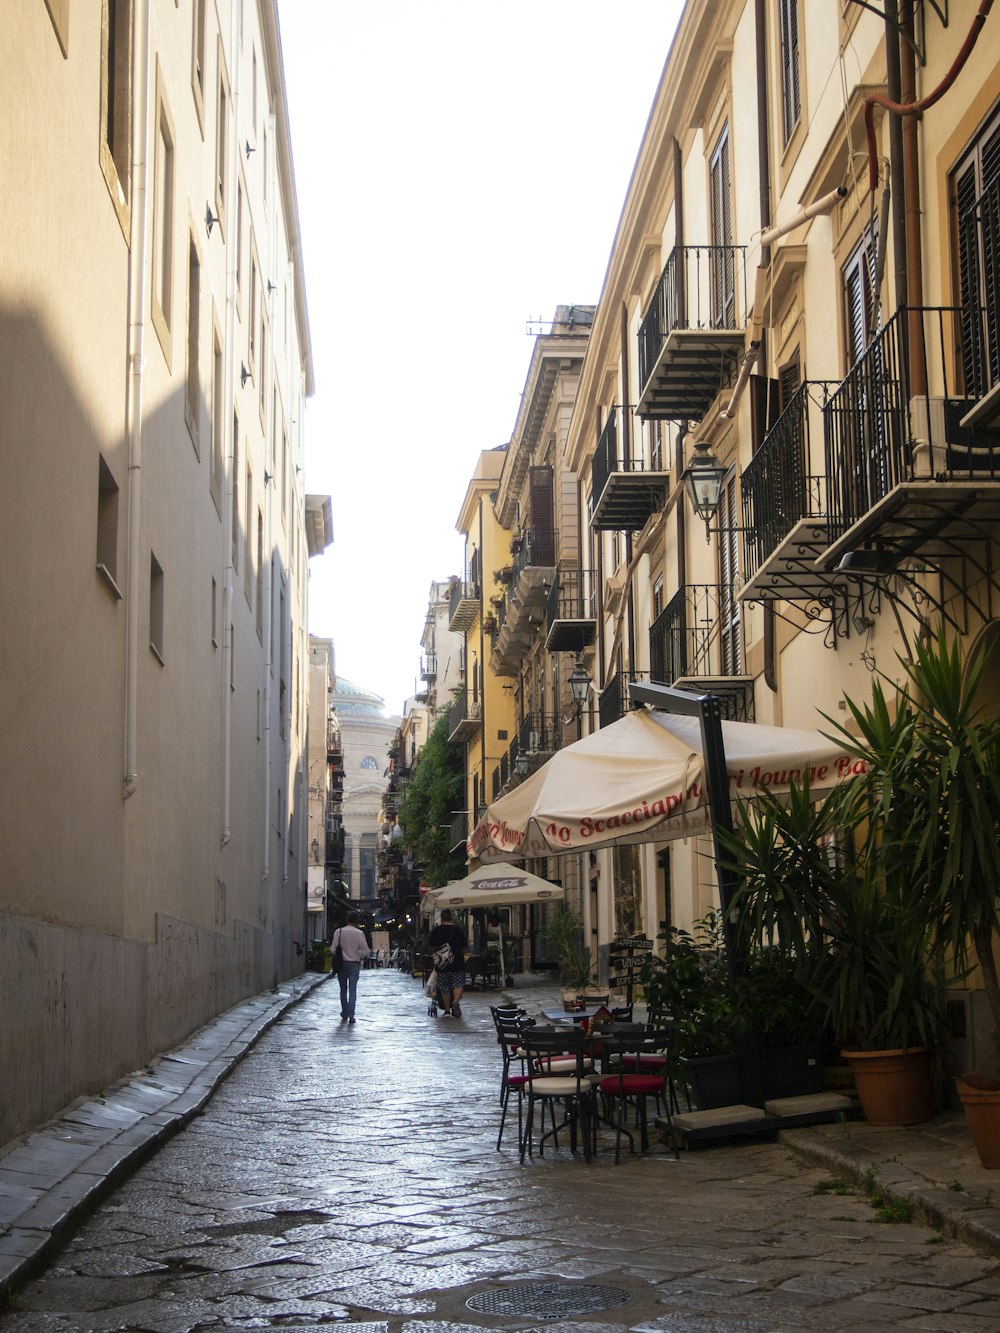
point(366, 735)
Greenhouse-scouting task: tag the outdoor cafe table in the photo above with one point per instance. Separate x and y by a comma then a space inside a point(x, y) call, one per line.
point(571, 1015)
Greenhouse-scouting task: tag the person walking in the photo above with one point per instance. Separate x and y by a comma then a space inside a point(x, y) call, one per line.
point(450, 973)
point(354, 950)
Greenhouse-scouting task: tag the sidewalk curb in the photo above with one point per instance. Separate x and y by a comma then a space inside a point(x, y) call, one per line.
point(52, 1177)
point(976, 1224)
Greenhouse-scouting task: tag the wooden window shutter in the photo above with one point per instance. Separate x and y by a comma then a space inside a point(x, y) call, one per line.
point(540, 501)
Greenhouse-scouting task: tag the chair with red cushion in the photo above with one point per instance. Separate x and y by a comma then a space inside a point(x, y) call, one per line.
point(640, 1071)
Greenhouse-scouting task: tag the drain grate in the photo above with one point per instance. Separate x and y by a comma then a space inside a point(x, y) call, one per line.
point(548, 1300)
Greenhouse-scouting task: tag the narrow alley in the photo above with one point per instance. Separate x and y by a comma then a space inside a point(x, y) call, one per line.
point(349, 1175)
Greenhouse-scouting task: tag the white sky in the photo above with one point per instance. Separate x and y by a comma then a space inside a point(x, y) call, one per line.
point(460, 167)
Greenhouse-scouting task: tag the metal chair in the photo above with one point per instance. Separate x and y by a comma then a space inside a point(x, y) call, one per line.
point(640, 1070)
point(565, 1054)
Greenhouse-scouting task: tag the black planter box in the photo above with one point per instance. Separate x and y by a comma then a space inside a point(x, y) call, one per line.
point(791, 1071)
point(714, 1080)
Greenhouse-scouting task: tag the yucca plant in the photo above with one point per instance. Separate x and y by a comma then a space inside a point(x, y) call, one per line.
point(933, 787)
point(862, 950)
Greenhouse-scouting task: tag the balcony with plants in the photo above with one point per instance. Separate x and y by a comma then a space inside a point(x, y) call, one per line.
point(523, 586)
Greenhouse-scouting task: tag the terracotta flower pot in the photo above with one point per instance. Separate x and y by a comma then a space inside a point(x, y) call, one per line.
point(894, 1087)
point(981, 1100)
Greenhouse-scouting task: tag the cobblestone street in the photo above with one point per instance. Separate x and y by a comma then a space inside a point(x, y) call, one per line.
point(349, 1174)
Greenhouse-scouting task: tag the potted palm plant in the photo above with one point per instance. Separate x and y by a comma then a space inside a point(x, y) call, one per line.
point(862, 946)
point(934, 776)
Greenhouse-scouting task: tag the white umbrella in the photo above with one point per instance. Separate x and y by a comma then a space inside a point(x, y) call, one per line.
point(641, 780)
point(495, 885)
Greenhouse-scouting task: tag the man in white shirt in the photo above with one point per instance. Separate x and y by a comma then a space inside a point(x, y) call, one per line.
point(354, 948)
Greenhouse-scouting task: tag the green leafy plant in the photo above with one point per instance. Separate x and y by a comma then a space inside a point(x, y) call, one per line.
point(435, 789)
point(933, 785)
point(565, 933)
point(861, 945)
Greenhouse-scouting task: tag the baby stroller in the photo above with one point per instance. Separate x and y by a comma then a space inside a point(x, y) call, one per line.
point(433, 992)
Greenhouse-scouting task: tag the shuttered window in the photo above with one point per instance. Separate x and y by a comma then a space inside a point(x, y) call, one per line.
point(543, 550)
point(730, 644)
point(976, 195)
point(791, 103)
point(859, 297)
point(723, 268)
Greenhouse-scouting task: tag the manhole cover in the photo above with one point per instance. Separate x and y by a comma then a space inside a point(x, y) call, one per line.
point(548, 1300)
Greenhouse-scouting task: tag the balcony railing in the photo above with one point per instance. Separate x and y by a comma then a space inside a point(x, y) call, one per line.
point(571, 614)
point(614, 701)
point(459, 829)
point(626, 493)
point(465, 717)
point(537, 547)
point(463, 604)
point(879, 435)
point(693, 331)
point(429, 667)
point(535, 735)
point(784, 481)
point(698, 633)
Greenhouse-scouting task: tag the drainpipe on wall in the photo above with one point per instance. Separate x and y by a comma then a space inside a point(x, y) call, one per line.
point(896, 167)
point(232, 186)
point(682, 432)
point(136, 356)
point(764, 174)
point(627, 455)
point(911, 210)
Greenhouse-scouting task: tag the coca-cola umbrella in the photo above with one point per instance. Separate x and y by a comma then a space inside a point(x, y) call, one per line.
point(642, 780)
point(494, 885)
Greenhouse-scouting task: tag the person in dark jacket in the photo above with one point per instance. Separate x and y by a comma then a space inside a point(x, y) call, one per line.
point(451, 976)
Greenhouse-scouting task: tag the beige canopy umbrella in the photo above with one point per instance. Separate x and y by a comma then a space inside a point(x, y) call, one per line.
point(642, 780)
point(496, 885)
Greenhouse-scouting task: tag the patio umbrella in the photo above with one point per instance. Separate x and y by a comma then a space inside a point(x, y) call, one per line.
point(495, 885)
point(641, 780)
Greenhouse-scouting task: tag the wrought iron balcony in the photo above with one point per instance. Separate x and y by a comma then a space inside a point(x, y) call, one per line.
point(626, 492)
point(459, 830)
point(429, 667)
point(572, 617)
point(463, 605)
point(905, 478)
point(692, 335)
point(522, 611)
point(784, 504)
point(536, 737)
point(465, 718)
point(696, 642)
point(613, 702)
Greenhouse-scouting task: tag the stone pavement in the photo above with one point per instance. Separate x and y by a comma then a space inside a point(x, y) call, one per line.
point(53, 1177)
point(349, 1175)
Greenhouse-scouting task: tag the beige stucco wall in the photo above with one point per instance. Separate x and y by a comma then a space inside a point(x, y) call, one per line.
point(125, 922)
